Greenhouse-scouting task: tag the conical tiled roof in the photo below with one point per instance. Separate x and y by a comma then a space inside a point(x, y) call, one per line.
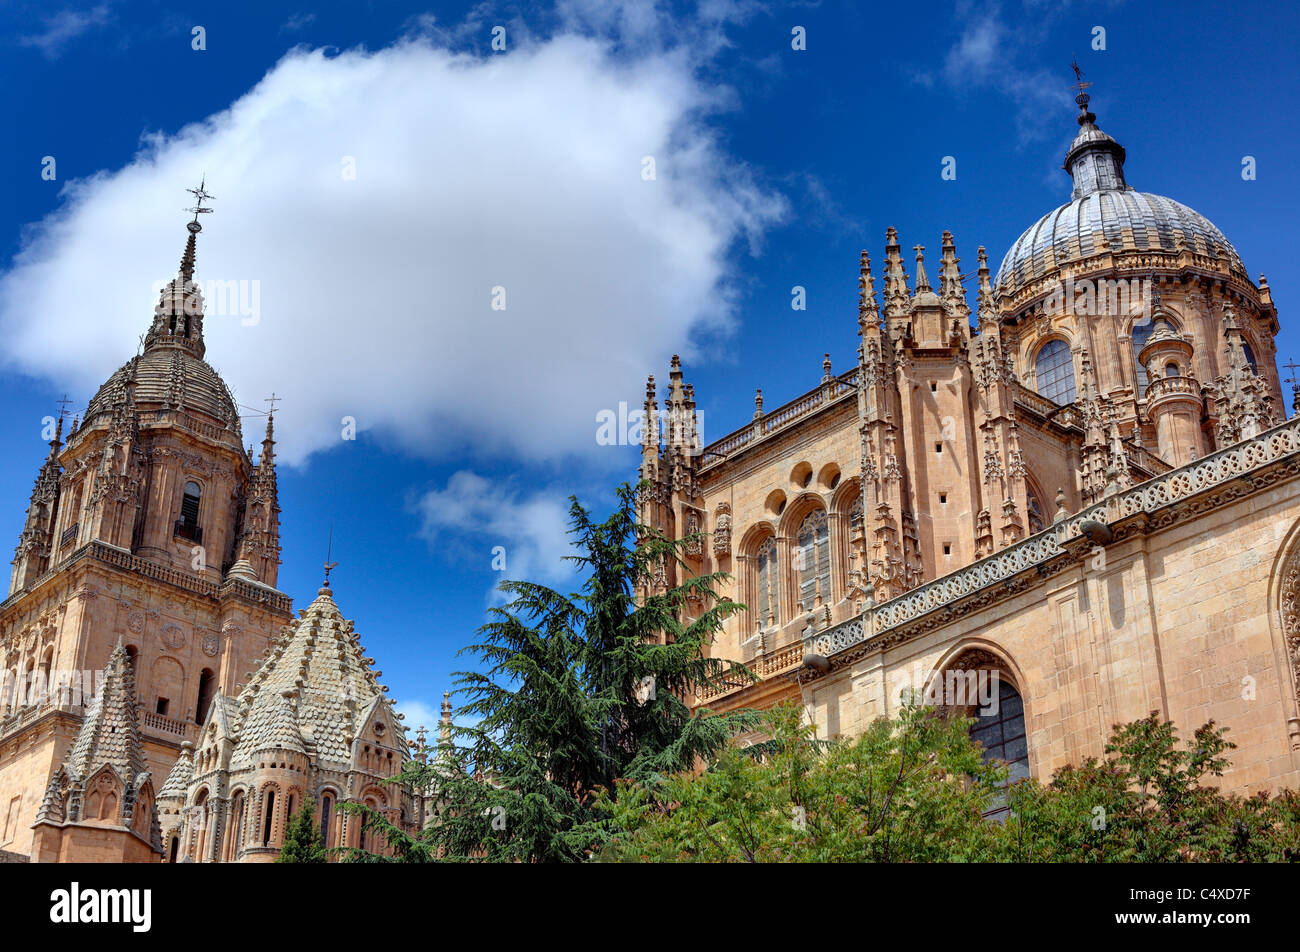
point(110, 733)
point(179, 777)
point(312, 691)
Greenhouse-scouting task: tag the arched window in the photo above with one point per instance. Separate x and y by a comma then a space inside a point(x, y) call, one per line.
point(268, 817)
point(1000, 730)
point(234, 836)
point(204, 822)
point(814, 559)
point(207, 687)
point(363, 838)
point(1171, 369)
point(1037, 523)
point(1054, 371)
point(1141, 334)
point(175, 847)
point(1250, 357)
point(187, 526)
point(327, 819)
point(768, 602)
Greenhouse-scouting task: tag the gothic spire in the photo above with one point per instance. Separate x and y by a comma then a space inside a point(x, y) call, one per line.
point(950, 288)
point(896, 294)
point(257, 554)
point(178, 315)
point(36, 541)
point(110, 733)
point(985, 303)
point(868, 312)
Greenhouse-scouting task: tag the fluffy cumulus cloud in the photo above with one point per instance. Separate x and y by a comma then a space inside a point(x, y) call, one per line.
point(485, 522)
point(372, 207)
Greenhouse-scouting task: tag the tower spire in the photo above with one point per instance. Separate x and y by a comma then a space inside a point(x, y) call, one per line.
point(178, 315)
point(1095, 160)
point(200, 196)
point(1082, 97)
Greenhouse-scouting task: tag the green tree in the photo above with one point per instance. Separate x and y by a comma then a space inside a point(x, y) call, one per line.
point(911, 789)
point(1146, 803)
point(575, 692)
point(916, 789)
point(303, 842)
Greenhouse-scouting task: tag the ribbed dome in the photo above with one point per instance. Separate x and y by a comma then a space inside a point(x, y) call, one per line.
point(1127, 219)
point(173, 378)
point(1106, 214)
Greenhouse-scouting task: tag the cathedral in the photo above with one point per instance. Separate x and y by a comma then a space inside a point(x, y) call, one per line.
point(159, 701)
point(1084, 492)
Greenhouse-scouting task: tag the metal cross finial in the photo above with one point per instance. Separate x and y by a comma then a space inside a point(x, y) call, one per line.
point(272, 400)
point(200, 195)
point(1292, 366)
point(63, 406)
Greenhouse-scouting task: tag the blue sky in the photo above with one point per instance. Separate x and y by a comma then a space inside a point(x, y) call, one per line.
point(523, 169)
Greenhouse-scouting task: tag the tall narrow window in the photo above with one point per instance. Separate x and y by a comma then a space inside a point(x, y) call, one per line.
point(207, 686)
point(1250, 356)
point(187, 526)
point(767, 585)
point(268, 817)
point(1141, 334)
point(234, 836)
point(814, 560)
point(1054, 372)
point(327, 820)
point(1036, 521)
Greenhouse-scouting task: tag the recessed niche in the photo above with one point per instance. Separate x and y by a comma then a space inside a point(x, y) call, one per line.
point(775, 503)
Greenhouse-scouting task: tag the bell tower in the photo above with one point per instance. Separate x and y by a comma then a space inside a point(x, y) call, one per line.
point(149, 525)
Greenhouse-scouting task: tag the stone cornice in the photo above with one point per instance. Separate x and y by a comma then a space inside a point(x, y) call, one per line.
point(102, 553)
point(1177, 496)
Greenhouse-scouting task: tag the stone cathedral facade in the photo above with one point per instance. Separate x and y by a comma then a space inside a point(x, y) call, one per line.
point(1086, 486)
point(149, 556)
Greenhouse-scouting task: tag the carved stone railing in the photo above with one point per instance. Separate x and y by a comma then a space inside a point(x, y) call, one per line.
point(838, 637)
point(15, 719)
point(1163, 387)
point(1214, 470)
point(102, 552)
point(1144, 459)
point(764, 666)
point(781, 418)
point(163, 724)
point(1063, 414)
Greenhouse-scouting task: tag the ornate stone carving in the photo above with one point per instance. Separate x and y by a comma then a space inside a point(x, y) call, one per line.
point(173, 637)
point(722, 530)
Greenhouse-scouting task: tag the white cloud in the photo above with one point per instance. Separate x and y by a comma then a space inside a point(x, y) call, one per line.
point(418, 714)
point(64, 27)
point(299, 21)
point(987, 53)
point(473, 515)
point(520, 170)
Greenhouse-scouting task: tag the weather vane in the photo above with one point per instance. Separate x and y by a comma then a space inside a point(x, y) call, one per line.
point(1292, 366)
point(273, 400)
point(200, 195)
point(329, 548)
point(1080, 84)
